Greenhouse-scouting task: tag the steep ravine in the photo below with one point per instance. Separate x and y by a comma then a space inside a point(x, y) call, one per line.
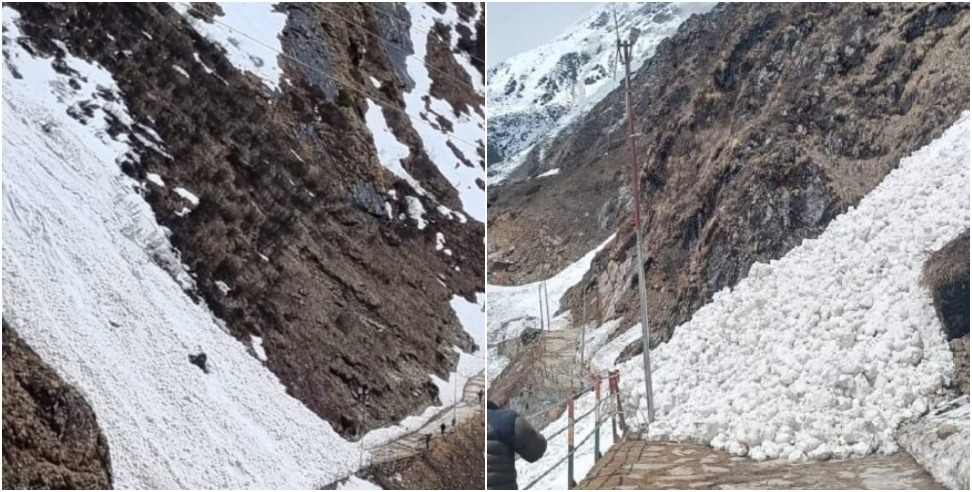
point(763, 123)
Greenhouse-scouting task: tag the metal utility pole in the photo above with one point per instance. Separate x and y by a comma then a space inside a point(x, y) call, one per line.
point(583, 329)
point(624, 53)
point(540, 299)
point(546, 299)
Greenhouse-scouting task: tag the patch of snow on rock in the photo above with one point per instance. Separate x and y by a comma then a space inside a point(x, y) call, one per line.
point(187, 195)
point(416, 211)
point(252, 40)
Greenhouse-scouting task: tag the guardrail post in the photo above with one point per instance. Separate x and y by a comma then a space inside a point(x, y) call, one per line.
point(570, 443)
point(617, 398)
point(597, 420)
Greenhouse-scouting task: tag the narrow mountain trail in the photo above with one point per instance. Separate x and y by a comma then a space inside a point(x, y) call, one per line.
point(414, 442)
point(666, 465)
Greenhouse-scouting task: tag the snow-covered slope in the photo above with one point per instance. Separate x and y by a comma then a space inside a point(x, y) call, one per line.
point(94, 287)
point(824, 352)
point(534, 94)
point(258, 51)
point(821, 354)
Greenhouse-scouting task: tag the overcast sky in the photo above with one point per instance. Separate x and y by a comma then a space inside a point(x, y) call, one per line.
point(517, 27)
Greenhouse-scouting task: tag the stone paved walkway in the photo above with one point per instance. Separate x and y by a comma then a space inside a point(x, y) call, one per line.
point(414, 442)
point(666, 465)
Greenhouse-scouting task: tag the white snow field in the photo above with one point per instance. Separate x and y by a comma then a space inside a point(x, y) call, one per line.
point(467, 128)
point(257, 50)
point(83, 286)
point(823, 353)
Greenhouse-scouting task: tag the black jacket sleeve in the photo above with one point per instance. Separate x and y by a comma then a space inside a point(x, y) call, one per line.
point(529, 443)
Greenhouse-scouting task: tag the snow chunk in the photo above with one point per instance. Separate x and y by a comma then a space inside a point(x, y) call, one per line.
point(553, 172)
point(155, 179)
point(416, 211)
point(257, 344)
point(223, 287)
point(186, 194)
point(356, 483)
point(439, 241)
point(181, 71)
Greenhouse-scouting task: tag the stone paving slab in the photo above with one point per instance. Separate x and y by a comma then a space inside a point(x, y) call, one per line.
point(668, 465)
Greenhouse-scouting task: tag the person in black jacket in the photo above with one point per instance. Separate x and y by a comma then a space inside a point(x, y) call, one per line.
point(507, 435)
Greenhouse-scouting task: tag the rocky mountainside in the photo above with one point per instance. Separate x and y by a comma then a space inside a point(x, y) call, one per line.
point(536, 93)
point(756, 125)
point(51, 436)
point(240, 197)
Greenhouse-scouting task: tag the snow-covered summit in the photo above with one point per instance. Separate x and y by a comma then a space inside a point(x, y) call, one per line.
point(534, 94)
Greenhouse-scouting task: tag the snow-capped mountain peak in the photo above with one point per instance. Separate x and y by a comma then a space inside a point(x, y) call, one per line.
point(534, 94)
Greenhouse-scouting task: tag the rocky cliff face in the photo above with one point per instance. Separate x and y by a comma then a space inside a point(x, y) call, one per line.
point(757, 124)
point(295, 233)
point(51, 438)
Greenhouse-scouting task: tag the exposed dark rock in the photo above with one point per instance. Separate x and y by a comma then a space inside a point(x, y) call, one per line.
point(946, 274)
point(51, 438)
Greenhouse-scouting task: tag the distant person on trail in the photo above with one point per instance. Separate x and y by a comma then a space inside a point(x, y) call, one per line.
point(428, 440)
point(507, 435)
point(442, 428)
point(480, 396)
